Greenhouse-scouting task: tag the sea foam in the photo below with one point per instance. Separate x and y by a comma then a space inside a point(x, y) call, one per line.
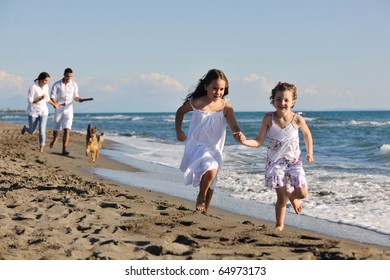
point(384, 149)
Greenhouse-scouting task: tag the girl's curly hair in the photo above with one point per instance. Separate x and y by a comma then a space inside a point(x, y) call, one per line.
point(283, 86)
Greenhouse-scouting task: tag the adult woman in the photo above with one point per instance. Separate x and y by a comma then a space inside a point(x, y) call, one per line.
point(38, 96)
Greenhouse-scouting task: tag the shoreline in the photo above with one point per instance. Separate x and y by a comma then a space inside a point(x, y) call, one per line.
point(162, 179)
point(52, 208)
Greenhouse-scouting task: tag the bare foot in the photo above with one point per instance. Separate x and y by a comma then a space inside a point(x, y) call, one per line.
point(41, 149)
point(200, 205)
point(279, 228)
point(296, 204)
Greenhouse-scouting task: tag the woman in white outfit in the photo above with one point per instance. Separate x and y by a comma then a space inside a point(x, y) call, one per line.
point(38, 97)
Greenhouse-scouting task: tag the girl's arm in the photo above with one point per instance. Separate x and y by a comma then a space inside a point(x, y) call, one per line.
point(185, 108)
point(232, 122)
point(301, 123)
point(258, 141)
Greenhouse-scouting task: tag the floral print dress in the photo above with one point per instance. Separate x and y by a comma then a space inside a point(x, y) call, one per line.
point(284, 165)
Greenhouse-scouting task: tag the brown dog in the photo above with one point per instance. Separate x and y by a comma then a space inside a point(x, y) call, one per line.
point(94, 142)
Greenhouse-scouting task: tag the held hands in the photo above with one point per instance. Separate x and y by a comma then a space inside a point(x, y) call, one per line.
point(54, 104)
point(239, 136)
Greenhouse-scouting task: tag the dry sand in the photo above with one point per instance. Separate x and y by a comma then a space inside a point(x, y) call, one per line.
point(51, 207)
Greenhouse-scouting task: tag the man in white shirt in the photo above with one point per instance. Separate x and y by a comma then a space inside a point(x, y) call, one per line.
point(64, 92)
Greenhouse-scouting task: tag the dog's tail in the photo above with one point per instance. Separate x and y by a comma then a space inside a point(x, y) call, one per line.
point(101, 139)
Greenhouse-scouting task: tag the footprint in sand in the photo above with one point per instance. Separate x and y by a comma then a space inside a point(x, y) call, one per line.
point(306, 237)
point(127, 214)
point(186, 223)
point(154, 250)
point(164, 214)
point(161, 207)
point(182, 208)
point(181, 239)
point(246, 240)
point(201, 237)
point(109, 205)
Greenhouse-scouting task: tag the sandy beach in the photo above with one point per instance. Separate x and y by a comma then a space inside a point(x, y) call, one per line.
point(53, 207)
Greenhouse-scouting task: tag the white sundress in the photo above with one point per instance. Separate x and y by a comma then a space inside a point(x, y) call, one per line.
point(204, 145)
point(284, 164)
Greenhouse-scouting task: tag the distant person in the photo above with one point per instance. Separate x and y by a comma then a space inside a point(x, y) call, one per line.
point(283, 170)
point(38, 96)
point(202, 157)
point(64, 92)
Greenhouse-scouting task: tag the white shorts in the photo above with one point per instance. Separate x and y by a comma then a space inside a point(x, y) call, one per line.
point(62, 121)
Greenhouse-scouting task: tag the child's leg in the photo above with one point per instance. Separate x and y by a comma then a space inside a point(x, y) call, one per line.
point(209, 196)
point(295, 196)
point(204, 188)
point(280, 207)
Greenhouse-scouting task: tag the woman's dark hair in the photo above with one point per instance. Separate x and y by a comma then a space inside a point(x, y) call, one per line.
point(67, 70)
point(42, 76)
point(283, 86)
point(213, 74)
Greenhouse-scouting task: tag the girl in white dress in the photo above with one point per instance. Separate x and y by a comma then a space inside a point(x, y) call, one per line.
point(284, 171)
point(205, 140)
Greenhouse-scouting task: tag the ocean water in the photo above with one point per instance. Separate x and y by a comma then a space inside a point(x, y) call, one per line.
point(349, 182)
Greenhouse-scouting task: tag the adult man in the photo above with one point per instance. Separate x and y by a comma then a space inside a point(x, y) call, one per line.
point(64, 92)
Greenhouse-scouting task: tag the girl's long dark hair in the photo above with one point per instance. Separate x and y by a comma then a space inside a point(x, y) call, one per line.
point(42, 76)
point(213, 74)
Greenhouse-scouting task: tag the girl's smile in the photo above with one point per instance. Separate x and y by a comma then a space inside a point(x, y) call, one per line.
point(283, 101)
point(215, 90)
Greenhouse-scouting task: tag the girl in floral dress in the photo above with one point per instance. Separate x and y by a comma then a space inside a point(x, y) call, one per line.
point(284, 171)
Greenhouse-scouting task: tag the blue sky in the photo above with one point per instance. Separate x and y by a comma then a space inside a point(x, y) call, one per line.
point(144, 56)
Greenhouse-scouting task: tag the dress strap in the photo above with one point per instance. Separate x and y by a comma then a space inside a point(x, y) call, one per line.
point(190, 100)
point(296, 114)
point(270, 113)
